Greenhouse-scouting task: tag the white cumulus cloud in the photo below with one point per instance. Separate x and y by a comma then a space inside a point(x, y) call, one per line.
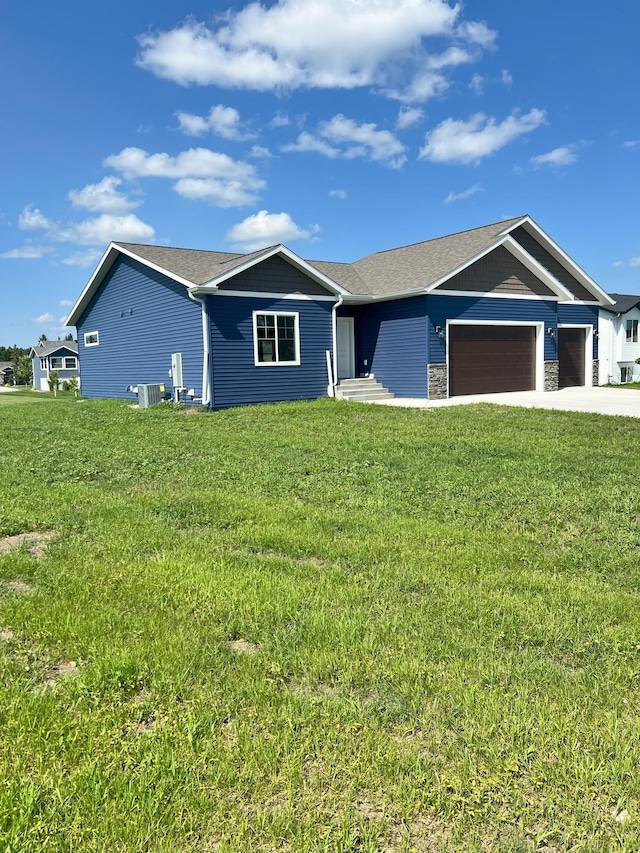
point(344, 137)
point(266, 229)
point(31, 219)
point(470, 141)
point(221, 120)
point(337, 193)
point(89, 258)
point(292, 44)
point(201, 174)
point(27, 252)
point(103, 197)
point(408, 117)
point(105, 228)
point(563, 156)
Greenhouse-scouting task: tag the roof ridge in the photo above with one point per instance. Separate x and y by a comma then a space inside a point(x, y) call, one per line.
point(445, 236)
point(179, 248)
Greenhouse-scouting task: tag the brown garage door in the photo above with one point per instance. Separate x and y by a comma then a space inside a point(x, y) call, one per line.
point(490, 359)
point(571, 344)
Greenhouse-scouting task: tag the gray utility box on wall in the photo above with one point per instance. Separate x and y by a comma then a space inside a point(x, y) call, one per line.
point(149, 395)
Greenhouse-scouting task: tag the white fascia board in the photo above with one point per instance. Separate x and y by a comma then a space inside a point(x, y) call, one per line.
point(561, 256)
point(106, 262)
point(258, 294)
point(476, 294)
point(294, 260)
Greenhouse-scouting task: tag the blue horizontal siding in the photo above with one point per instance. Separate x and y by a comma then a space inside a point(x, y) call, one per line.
point(443, 308)
point(392, 338)
point(237, 380)
point(142, 317)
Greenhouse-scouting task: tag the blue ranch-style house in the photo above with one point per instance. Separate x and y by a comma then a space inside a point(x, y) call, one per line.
point(496, 308)
point(61, 356)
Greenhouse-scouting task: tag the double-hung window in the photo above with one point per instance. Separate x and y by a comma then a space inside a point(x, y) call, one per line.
point(632, 331)
point(276, 338)
point(70, 362)
point(55, 363)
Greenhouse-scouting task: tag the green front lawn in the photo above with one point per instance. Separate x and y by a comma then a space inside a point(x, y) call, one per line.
point(30, 395)
point(319, 627)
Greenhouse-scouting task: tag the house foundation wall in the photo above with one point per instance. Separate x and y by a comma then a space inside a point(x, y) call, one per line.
point(596, 372)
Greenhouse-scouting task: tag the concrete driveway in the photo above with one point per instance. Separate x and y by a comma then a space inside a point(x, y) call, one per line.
point(603, 401)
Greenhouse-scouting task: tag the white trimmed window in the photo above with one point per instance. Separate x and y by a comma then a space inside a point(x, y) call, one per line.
point(55, 363)
point(276, 338)
point(43, 364)
point(632, 331)
point(70, 362)
point(91, 339)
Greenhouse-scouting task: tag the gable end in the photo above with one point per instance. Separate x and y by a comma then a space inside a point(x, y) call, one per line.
point(498, 272)
point(274, 275)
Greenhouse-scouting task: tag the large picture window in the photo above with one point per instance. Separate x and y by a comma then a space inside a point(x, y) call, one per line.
point(276, 338)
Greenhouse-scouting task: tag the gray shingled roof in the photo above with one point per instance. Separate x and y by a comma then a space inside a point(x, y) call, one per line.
point(43, 348)
point(195, 265)
point(624, 302)
point(393, 271)
point(421, 264)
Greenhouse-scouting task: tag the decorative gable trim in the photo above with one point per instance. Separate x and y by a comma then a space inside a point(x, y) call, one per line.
point(295, 260)
point(563, 258)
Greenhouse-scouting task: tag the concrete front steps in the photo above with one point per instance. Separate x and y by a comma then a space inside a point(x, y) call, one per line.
point(362, 390)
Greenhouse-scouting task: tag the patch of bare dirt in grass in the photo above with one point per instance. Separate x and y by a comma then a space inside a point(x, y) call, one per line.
point(36, 543)
point(421, 834)
point(244, 647)
point(6, 634)
point(17, 587)
point(313, 690)
point(52, 676)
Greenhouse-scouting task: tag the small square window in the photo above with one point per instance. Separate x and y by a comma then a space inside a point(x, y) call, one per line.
point(276, 338)
point(91, 339)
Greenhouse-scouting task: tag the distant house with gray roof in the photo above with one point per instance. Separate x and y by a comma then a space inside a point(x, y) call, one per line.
point(619, 341)
point(61, 356)
point(6, 373)
point(496, 308)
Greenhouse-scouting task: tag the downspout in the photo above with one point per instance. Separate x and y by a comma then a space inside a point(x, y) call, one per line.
point(206, 350)
point(331, 390)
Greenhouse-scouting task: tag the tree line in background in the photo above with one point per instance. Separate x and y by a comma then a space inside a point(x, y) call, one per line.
point(21, 361)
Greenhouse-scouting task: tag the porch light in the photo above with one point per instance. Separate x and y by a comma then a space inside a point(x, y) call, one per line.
point(439, 332)
point(551, 332)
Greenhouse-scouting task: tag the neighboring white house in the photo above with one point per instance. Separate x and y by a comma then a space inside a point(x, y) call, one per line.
point(619, 340)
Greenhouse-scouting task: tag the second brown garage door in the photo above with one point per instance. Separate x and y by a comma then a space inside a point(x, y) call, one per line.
point(571, 352)
point(491, 359)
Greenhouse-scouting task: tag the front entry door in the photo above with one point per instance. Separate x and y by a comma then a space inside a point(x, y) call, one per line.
point(346, 348)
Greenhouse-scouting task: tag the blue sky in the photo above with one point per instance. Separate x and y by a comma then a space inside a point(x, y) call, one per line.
point(337, 127)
